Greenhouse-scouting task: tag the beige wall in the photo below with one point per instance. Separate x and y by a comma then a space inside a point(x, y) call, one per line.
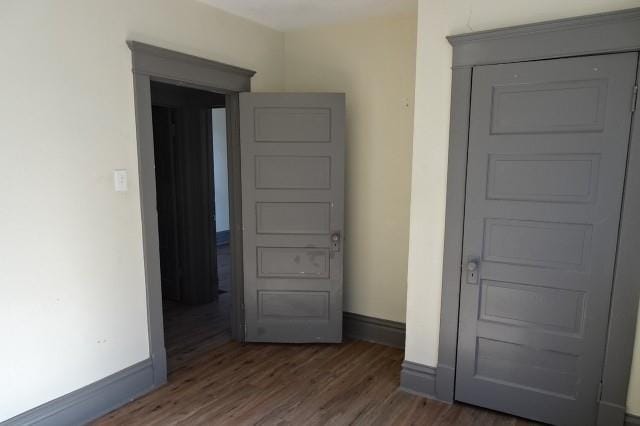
point(373, 62)
point(73, 306)
point(437, 19)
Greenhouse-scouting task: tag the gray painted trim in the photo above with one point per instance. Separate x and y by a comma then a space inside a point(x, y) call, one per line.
point(418, 379)
point(445, 382)
point(454, 226)
point(200, 73)
point(610, 414)
point(626, 292)
point(376, 330)
point(153, 63)
point(585, 35)
point(92, 401)
point(232, 104)
point(603, 33)
point(631, 420)
point(150, 241)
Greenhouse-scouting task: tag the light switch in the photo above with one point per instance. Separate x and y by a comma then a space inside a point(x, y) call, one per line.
point(120, 183)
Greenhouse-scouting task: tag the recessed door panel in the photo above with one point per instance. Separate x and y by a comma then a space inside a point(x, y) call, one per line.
point(524, 367)
point(537, 243)
point(296, 305)
point(562, 178)
point(559, 106)
point(287, 262)
point(546, 166)
point(535, 306)
point(292, 124)
point(293, 218)
point(293, 172)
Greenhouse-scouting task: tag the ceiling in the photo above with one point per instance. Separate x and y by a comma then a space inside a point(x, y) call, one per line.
point(286, 15)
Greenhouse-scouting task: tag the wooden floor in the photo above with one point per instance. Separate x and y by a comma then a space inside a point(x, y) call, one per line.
point(192, 330)
point(267, 384)
point(215, 381)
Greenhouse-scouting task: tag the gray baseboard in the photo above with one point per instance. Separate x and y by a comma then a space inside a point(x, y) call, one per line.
point(92, 401)
point(610, 414)
point(418, 379)
point(375, 330)
point(631, 420)
point(433, 383)
point(426, 381)
point(445, 380)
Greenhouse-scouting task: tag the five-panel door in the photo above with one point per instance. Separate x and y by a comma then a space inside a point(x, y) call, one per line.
point(546, 165)
point(293, 212)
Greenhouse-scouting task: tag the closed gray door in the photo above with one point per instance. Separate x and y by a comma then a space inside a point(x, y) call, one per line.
point(293, 215)
point(546, 166)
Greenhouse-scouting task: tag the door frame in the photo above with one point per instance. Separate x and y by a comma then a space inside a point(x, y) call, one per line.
point(605, 33)
point(151, 63)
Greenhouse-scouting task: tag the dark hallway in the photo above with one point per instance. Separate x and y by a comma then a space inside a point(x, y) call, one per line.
point(191, 176)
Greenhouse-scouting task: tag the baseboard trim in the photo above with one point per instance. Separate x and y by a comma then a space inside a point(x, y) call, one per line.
point(222, 238)
point(445, 378)
point(385, 332)
point(610, 414)
point(92, 401)
point(433, 383)
point(631, 420)
point(418, 379)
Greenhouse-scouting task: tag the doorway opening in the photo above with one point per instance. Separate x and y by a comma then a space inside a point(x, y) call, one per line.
point(192, 192)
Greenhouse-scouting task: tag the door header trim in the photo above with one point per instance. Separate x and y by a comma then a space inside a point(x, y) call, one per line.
point(176, 67)
point(617, 31)
point(604, 33)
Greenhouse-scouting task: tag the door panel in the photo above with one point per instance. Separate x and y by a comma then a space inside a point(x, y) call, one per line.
point(292, 172)
point(292, 203)
point(293, 218)
point(297, 124)
point(546, 164)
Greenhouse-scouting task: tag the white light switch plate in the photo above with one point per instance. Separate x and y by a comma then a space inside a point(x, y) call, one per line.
point(120, 183)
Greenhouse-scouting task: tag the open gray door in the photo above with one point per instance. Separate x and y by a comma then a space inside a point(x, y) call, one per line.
point(293, 214)
point(546, 166)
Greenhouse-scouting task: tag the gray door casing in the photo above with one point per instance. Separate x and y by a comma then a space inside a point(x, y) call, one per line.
point(151, 63)
point(546, 165)
point(293, 208)
point(604, 33)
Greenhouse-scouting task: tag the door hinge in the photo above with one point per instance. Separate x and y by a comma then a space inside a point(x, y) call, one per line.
point(599, 392)
point(243, 323)
point(634, 98)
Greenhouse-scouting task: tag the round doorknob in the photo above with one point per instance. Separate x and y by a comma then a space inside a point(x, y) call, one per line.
point(472, 266)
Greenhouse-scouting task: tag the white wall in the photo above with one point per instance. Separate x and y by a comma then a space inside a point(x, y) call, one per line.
point(72, 309)
point(373, 62)
point(437, 19)
point(220, 176)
